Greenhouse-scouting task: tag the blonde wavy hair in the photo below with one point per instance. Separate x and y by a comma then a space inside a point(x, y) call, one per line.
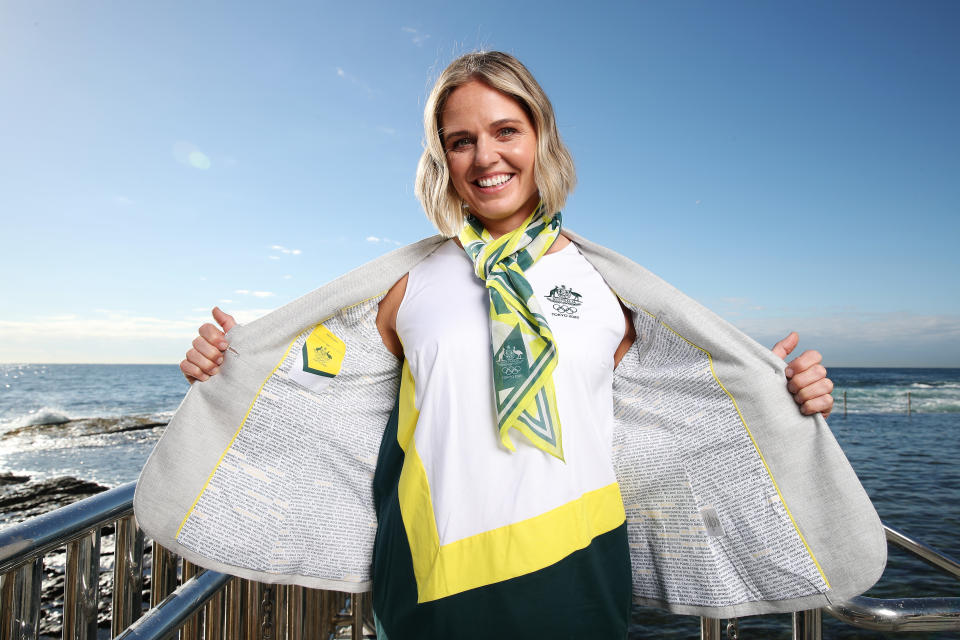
point(554, 172)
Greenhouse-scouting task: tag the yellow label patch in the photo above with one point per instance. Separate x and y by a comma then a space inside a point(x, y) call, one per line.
point(323, 352)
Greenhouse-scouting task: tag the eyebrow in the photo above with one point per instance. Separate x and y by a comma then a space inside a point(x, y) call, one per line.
point(444, 136)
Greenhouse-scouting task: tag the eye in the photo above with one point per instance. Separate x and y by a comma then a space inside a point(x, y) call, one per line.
point(506, 132)
point(459, 144)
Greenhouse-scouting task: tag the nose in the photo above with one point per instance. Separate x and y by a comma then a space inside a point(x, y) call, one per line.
point(486, 152)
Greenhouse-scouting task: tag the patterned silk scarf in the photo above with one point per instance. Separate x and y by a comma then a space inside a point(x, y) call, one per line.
point(524, 351)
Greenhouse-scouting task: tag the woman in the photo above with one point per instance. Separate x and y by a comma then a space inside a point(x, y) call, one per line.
point(509, 339)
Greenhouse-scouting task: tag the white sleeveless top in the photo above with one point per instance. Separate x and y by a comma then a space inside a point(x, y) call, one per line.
point(475, 483)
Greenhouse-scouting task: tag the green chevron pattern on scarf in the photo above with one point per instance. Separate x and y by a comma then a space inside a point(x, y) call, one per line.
point(524, 350)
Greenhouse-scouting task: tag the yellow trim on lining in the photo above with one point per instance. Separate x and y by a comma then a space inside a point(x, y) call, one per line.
point(752, 440)
point(498, 554)
point(250, 408)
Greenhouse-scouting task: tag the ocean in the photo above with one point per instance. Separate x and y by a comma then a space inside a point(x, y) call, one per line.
point(909, 463)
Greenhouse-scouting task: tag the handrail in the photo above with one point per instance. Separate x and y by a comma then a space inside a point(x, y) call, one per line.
point(905, 614)
point(77, 526)
point(899, 615)
point(934, 558)
point(21, 542)
point(177, 608)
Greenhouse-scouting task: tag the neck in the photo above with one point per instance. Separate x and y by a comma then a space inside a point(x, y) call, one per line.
point(497, 227)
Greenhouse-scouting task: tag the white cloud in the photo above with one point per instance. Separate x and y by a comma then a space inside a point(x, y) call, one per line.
point(123, 201)
point(189, 154)
point(354, 80)
point(287, 276)
point(375, 239)
point(105, 337)
point(274, 257)
point(255, 294)
point(285, 250)
point(242, 292)
point(120, 325)
point(859, 338)
point(416, 37)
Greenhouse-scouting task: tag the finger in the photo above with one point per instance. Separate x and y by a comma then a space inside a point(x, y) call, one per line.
point(208, 350)
point(820, 404)
point(819, 388)
point(806, 378)
point(192, 372)
point(202, 362)
point(223, 319)
point(783, 348)
point(214, 336)
point(803, 362)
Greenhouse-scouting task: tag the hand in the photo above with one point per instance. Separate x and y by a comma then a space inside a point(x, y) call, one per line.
point(205, 357)
point(806, 378)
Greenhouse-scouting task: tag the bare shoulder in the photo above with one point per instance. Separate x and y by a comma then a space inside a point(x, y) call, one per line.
point(559, 244)
point(387, 316)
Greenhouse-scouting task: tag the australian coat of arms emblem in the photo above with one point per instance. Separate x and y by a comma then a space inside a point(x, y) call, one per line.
point(565, 300)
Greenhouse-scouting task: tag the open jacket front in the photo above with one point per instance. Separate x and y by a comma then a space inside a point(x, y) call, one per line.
point(736, 503)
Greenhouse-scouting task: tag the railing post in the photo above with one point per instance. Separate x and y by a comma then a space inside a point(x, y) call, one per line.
point(6, 604)
point(252, 610)
point(328, 612)
point(358, 604)
point(295, 612)
point(191, 628)
point(233, 617)
point(163, 574)
point(314, 626)
point(127, 575)
point(81, 593)
point(807, 624)
point(213, 618)
point(710, 629)
point(280, 610)
point(25, 618)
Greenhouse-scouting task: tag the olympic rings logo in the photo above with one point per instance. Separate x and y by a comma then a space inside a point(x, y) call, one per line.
point(510, 370)
point(562, 308)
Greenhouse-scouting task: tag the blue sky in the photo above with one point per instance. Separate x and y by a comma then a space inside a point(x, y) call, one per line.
point(789, 165)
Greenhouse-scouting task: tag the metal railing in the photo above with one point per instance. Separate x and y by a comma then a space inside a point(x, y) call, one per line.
point(214, 606)
point(206, 604)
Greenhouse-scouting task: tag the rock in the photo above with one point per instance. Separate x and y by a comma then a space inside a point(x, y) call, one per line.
point(26, 500)
point(9, 478)
point(84, 427)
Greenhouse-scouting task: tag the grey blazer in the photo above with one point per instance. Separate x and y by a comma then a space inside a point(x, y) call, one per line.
point(736, 503)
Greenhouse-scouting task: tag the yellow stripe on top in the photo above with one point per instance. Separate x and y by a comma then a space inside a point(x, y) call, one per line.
point(498, 554)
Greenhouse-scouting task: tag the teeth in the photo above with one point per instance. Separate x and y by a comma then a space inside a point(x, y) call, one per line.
point(493, 180)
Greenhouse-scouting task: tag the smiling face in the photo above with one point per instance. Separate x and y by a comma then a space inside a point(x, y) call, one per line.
point(491, 147)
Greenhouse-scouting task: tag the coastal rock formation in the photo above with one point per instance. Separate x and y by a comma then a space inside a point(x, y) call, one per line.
point(84, 427)
point(21, 499)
